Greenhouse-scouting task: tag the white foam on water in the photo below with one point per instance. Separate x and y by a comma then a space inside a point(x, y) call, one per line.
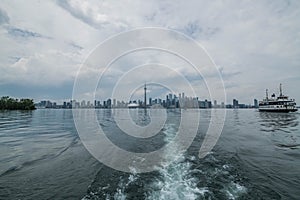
point(235, 190)
point(121, 194)
point(176, 181)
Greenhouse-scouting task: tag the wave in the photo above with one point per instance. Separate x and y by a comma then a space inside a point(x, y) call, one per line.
point(42, 158)
point(291, 146)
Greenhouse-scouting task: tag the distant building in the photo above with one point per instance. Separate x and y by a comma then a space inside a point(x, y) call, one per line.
point(255, 103)
point(208, 104)
point(169, 101)
point(235, 103)
point(205, 104)
point(114, 103)
point(76, 104)
point(98, 104)
point(108, 103)
point(222, 105)
point(69, 104)
point(242, 106)
point(228, 106)
point(82, 104)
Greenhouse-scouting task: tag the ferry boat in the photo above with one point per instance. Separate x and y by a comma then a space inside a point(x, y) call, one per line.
point(280, 104)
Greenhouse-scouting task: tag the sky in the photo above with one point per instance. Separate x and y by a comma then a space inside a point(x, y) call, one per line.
point(254, 44)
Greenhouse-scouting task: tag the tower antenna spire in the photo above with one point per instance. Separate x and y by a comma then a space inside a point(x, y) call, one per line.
point(145, 97)
point(280, 89)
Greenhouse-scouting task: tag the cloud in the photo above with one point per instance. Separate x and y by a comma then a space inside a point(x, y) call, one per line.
point(76, 46)
point(254, 44)
point(17, 32)
point(4, 19)
point(81, 14)
point(89, 13)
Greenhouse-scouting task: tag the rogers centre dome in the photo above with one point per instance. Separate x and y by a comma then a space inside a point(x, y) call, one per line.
point(133, 105)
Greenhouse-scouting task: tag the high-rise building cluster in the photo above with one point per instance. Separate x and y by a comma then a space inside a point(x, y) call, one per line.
point(170, 101)
point(83, 104)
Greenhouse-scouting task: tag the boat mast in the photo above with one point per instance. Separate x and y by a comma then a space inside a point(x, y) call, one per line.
point(280, 89)
point(267, 94)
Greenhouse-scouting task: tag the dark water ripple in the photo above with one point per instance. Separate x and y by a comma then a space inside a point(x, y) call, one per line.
point(256, 157)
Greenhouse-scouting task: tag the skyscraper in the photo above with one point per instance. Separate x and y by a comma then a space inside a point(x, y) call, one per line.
point(114, 103)
point(215, 103)
point(235, 103)
point(255, 103)
point(145, 96)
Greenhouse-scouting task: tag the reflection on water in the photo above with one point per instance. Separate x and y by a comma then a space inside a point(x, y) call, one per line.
point(140, 116)
point(283, 127)
point(271, 122)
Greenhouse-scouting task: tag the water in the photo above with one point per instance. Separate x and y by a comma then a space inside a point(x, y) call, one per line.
point(256, 157)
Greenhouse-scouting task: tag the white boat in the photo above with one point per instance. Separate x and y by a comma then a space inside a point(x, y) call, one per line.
point(280, 104)
point(133, 105)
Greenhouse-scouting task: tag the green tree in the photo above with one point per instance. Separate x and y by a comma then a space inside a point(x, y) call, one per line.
point(7, 103)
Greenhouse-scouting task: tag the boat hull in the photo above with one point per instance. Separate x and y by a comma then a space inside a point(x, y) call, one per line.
point(277, 110)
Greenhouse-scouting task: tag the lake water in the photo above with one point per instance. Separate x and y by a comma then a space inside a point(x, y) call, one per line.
point(256, 157)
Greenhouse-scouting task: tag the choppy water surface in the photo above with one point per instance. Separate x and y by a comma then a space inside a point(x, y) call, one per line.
point(256, 157)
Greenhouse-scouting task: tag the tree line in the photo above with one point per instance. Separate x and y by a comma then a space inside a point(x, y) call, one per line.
point(8, 103)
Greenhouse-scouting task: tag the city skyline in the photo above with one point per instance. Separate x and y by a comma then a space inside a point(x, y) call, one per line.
point(170, 101)
point(60, 101)
point(141, 96)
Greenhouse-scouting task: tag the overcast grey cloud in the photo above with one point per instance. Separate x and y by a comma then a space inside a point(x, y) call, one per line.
point(3, 17)
point(255, 44)
point(19, 33)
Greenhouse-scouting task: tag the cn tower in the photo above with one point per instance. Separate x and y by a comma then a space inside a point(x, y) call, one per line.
point(145, 97)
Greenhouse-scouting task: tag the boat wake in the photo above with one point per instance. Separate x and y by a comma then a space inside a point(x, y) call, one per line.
point(175, 180)
point(184, 177)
